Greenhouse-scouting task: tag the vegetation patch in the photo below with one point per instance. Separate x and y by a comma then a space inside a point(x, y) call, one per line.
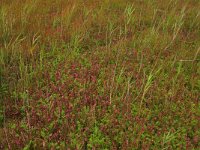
point(99, 74)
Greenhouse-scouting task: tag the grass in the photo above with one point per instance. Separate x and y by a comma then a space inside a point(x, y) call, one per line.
point(99, 74)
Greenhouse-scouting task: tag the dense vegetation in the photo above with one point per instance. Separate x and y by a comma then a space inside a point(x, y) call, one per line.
point(99, 74)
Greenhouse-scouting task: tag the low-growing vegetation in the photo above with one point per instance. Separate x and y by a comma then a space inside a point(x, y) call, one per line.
point(99, 74)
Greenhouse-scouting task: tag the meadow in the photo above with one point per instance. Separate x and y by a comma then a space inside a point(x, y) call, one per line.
point(99, 74)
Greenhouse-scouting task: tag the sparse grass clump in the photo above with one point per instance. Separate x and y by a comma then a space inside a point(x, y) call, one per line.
point(99, 74)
